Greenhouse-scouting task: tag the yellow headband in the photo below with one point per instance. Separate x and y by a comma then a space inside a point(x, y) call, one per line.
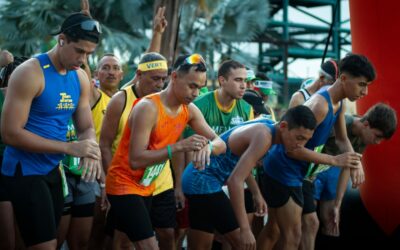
point(153, 65)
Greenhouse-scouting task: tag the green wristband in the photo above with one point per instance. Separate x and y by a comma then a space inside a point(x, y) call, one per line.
point(169, 152)
point(211, 146)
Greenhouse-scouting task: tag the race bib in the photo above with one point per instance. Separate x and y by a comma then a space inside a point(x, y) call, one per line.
point(151, 173)
point(72, 163)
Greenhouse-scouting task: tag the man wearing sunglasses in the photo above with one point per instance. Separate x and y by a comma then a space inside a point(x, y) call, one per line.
point(43, 94)
point(149, 140)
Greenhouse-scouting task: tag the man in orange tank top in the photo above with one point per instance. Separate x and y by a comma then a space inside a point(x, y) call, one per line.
point(150, 138)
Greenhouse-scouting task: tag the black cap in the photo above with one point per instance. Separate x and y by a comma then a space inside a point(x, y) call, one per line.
point(256, 101)
point(81, 26)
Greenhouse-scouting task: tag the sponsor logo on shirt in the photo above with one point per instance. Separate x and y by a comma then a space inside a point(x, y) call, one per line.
point(65, 102)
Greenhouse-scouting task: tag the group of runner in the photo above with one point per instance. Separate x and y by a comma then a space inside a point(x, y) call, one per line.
point(107, 168)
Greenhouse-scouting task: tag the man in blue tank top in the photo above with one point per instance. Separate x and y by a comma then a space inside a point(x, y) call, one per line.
point(210, 209)
point(43, 94)
point(285, 170)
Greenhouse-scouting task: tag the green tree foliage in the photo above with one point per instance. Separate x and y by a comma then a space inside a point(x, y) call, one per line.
point(219, 25)
point(27, 24)
point(206, 26)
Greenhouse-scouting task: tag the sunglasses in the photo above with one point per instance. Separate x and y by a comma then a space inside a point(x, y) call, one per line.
point(88, 25)
point(195, 59)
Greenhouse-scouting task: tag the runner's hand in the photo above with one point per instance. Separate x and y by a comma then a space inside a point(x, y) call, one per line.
point(348, 160)
point(260, 205)
point(5, 58)
point(159, 21)
point(84, 148)
point(104, 203)
point(192, 143)
point(85, 7)
point(332, 229)
point(247, 240)
point(179, 199)
point(91, 169)
point(201, 158)
point(357, 176)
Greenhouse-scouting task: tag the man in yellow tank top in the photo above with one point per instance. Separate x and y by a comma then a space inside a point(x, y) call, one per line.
point(156, 123)
point(148, 80)
point(109, 74)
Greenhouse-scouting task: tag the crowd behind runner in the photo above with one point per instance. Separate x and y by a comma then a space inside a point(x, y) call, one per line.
point(98, 167)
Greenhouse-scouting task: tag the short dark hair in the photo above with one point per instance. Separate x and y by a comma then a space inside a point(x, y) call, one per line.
point(151, 56)
point(106, 55)
point(226, 66)
point(181, 68)
point(300, 116)
point(69, 38)
point(357, 65)
point(382, 117)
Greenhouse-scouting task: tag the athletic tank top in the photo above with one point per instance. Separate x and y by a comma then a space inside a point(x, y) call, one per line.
point(121, 178)
point(98, 111)
point(164, 181)
point(48, 117)
point(305, 94)
point(214, 176)
point(322, 132)
point(130, 98)
point(291, 172)
point(218, 118)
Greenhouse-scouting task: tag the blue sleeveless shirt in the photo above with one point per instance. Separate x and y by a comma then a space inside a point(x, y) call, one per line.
point(48, 118)
point(213, 177)
point(291, 172)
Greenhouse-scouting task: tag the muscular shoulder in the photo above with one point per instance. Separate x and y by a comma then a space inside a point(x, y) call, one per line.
point(297, 99)
point(146, 107)
point(193, 110)
point(118, 99)
point(27, 77)
point(83, 78)
point(256, 135)
point(319, 106)
point(117, 103)
point(261, 132)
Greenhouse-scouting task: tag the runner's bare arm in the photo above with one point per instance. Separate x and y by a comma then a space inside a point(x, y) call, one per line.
point(296, 100)
point(160, 23)
point(259, 142)
point(16, 109)
point(91, 161)
point(109, 128)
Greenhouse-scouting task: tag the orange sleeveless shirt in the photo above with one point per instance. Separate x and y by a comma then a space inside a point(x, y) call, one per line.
point(121, 178)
